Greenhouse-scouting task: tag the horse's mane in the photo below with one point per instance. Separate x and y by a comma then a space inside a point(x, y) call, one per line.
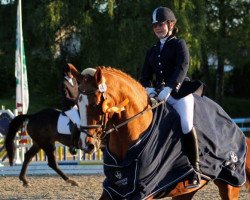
point(110, 71)
point(120, 73)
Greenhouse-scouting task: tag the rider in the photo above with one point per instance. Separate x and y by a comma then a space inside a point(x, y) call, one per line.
point(69, 108)
point(164, 71)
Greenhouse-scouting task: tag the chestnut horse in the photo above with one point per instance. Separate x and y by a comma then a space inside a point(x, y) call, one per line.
point(113, 104)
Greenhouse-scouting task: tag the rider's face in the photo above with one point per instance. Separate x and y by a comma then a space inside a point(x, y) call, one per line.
point(161, 29)
point(69, 74)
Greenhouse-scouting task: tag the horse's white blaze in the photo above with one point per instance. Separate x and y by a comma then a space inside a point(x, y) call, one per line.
point(82, 104)
point(83, 139)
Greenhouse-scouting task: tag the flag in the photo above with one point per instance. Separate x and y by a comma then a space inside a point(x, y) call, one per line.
point(22, 92)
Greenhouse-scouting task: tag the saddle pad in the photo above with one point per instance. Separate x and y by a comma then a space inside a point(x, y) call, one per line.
point(63, 125)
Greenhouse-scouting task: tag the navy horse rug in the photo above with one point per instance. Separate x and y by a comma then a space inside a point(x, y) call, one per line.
point(158, 161)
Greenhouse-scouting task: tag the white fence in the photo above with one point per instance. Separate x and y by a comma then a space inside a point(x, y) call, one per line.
point(243, 123)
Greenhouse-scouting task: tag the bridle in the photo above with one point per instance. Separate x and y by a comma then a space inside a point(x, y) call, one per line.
point(103, 122)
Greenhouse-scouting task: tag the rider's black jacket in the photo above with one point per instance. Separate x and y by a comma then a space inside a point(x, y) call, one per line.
point(168, 67)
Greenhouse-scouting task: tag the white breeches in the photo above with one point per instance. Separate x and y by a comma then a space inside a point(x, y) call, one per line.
point(185, 108)
point(73, 115)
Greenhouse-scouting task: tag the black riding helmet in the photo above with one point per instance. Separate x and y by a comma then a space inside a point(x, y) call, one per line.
point(162, 14)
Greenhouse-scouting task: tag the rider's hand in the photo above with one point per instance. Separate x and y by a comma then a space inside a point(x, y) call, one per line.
point(164, 94)
point(151, 91)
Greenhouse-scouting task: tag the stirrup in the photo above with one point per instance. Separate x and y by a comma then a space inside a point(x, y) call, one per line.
point(194, 181)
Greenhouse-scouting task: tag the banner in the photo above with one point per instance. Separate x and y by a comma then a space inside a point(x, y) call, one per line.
point(22, 91)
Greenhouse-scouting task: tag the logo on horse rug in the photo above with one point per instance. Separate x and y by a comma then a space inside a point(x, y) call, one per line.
point(158, 161)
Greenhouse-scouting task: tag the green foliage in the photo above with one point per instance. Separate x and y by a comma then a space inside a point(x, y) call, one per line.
point(236, 107)
point(225, 21)
point(7, 49)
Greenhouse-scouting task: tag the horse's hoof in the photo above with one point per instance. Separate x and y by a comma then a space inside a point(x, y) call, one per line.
point(73, 183)
point(26, 184)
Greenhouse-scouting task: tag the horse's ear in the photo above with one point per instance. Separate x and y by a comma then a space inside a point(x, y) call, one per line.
point(75, 72)
point(98, 76)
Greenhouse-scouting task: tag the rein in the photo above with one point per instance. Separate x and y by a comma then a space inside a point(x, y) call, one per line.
point(115, 128)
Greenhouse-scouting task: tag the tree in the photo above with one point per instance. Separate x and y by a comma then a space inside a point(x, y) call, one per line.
point(223, 17)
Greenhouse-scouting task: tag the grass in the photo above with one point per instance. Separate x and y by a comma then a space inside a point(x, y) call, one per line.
point(7, 103)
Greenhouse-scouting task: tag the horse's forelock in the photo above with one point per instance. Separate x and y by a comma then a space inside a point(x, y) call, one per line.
point(89, 71)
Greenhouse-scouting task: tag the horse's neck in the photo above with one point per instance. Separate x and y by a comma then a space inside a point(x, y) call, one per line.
point(128, 135)
point(123, 86)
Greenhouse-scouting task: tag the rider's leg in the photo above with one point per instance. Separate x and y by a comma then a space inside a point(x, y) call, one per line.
point(191, 144)
point(185, 108)
point(75, 134)
point(74, 129)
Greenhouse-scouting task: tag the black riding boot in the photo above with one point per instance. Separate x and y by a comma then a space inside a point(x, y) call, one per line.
point(192, 150)
point(75, 133)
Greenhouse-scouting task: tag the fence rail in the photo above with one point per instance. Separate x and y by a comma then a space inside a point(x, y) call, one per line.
point(243, 123)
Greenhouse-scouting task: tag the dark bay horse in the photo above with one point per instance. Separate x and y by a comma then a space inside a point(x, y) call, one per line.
point(42, 128)
point(115, 105)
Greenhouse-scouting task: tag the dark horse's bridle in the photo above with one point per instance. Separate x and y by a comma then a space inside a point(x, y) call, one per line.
point(103, 122)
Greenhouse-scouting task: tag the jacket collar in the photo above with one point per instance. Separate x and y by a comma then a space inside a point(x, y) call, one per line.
point(156, 47)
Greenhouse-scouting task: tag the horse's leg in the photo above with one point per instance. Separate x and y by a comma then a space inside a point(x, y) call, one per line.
point(104, 196)
point(247, 184)
point(50, 152)
point(27, 158)
point(227, 192)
